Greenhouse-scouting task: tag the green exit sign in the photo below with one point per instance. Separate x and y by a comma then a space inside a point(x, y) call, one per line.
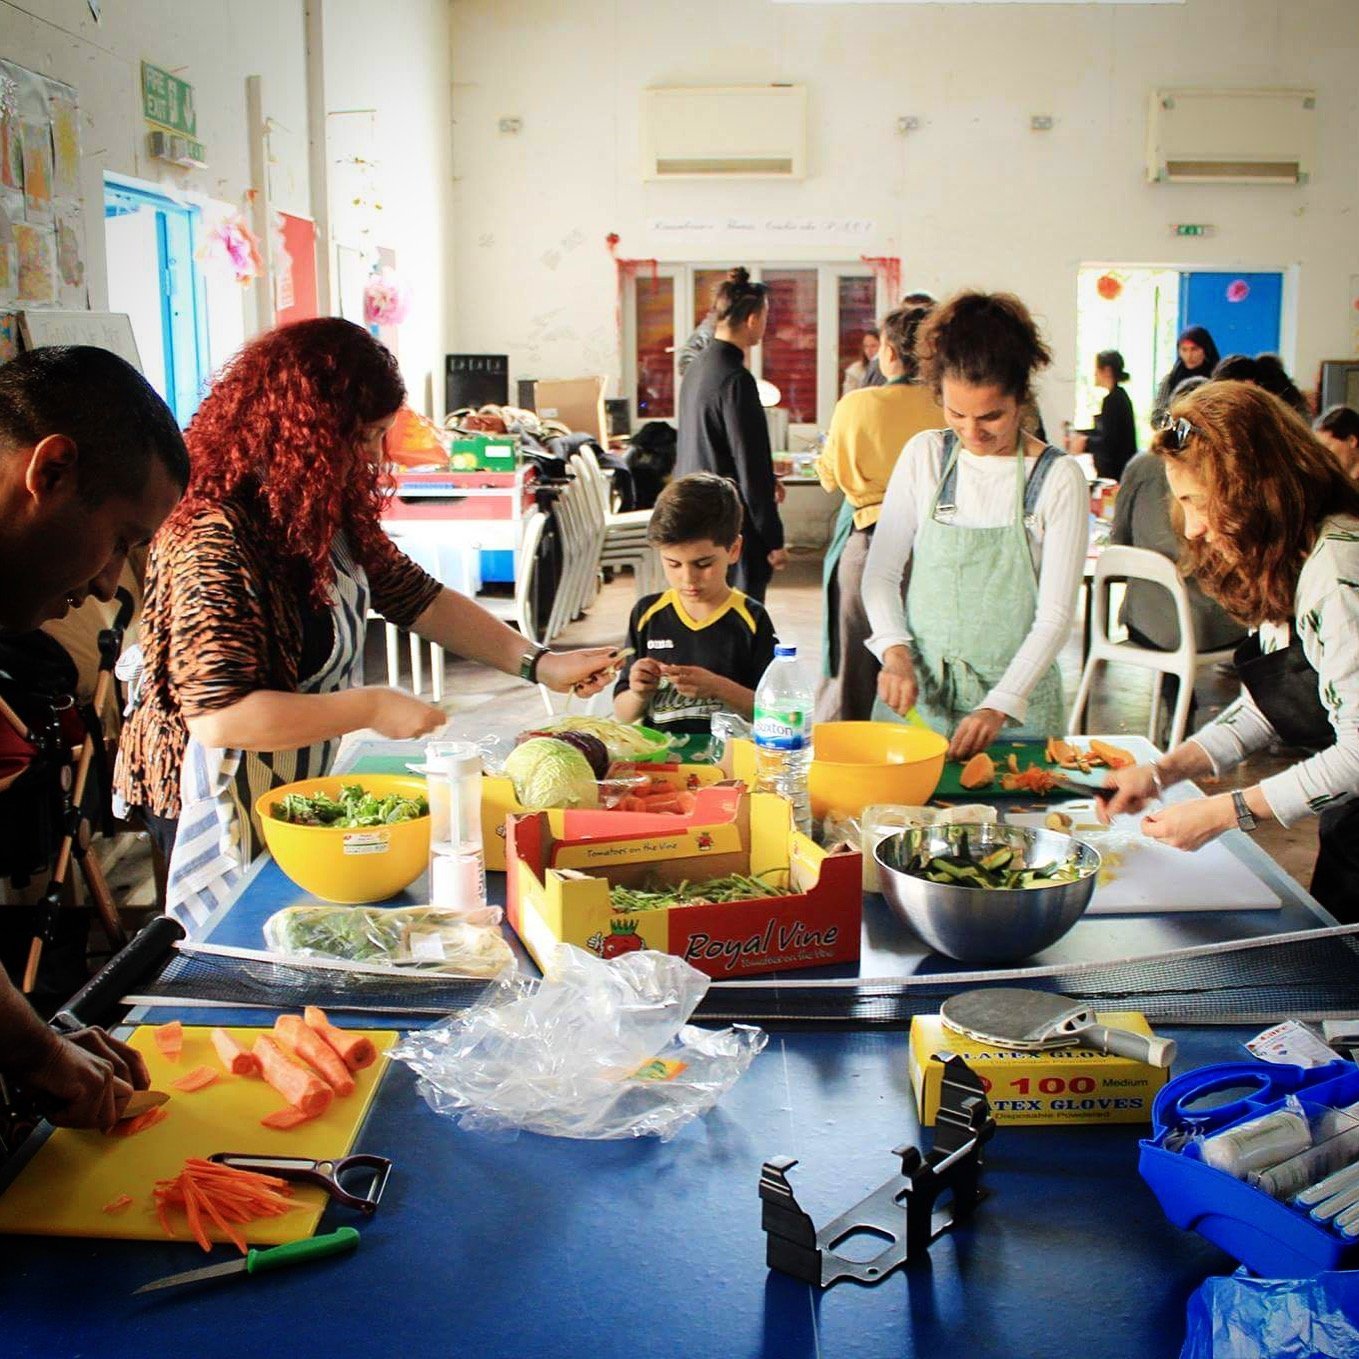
point(167, 101)
point(1192, 229)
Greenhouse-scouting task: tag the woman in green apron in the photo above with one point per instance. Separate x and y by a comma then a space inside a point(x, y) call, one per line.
point(994, 525)
point(1271, 531)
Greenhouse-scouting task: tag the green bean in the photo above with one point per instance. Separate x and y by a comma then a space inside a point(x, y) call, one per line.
point(715, 891)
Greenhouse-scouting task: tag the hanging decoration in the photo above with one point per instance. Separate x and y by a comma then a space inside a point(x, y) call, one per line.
point(887, 270)
point(229, 243)
point(1109, 286)
point(1238, 290)
point(386, 299)
point(627, 269)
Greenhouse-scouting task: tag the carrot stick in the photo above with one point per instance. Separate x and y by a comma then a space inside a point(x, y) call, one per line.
point(285, 1119)
point(295, 1083)
point(355, 1049)
point(307, 1044)
point(192, 1213)
point(119, 1205)
point(232, 1234)
point(170, 1040)
point(233, 1055)
point(198, 1079)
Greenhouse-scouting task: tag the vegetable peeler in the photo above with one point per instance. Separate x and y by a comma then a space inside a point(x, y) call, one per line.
point(328, 1175)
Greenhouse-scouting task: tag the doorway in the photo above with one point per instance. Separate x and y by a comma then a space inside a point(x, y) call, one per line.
point(152, 241)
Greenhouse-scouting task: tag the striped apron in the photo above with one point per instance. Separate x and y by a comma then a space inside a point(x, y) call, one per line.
point(218, 836)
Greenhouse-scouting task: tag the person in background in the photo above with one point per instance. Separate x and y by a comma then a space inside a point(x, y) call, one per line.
point(856, 371)
point(1142, 519)
point(722, 427)
point(1236, 368)
point(1195, 356)
point(700, 647)
point(1113, 441)
point(873, 375)
point(91, 462)
point(698, 341)
point(1338, 429)
point(995, 527)
point(869, 429)
point(1271, 530)
point(257, 596)
point(1273, 377)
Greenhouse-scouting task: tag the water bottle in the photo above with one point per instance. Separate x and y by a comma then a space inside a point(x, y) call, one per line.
point(783, 733)
point(457, 863)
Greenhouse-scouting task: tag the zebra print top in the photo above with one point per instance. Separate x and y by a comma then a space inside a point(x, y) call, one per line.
point(221, 621)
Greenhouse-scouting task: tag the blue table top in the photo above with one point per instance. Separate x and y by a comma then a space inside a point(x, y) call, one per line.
point(498, 1246)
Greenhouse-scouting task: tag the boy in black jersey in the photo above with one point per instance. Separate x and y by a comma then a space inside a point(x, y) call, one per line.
point(700, 647)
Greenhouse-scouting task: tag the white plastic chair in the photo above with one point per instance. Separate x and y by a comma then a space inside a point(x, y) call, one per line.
point(625, 542)
point(1141, 564)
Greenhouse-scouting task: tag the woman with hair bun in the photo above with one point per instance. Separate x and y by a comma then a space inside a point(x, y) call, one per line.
point(257, 595)
point(994, 525)
point(1270, 526)
point(1113, 441)
point(722, 428)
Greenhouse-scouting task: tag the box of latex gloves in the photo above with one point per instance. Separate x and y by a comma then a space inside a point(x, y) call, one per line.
point(1062, 1085)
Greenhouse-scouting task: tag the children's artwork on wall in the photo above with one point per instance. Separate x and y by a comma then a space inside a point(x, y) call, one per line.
point(11, 210)
point(65, 144)
point(70, 258)
point(294, 264)
point(37, 262)
point(11, 144)
point(9, 335)
point(37, 139)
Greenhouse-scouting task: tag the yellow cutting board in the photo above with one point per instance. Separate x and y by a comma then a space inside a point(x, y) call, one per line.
point(63, 1189)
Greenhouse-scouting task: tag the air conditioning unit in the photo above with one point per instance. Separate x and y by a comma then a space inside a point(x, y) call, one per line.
point(735, 132)
point(1231, 136)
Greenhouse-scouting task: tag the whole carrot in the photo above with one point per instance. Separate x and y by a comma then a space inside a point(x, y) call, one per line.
point(355, 1050)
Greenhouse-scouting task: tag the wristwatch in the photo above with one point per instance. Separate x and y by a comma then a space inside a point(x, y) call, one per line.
point(528, 664)
point(1245, 818)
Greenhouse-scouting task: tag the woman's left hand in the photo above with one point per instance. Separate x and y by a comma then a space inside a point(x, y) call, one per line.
point(1191, 825)
point(579, 672)
point(975, 732)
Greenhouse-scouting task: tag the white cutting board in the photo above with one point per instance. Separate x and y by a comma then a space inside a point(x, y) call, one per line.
point(1155, 879)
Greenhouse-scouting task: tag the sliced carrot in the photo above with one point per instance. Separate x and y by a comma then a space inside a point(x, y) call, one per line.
point(205, 1200)
point(119, 1205)
point(294, 1082)
point(194, 1216)
point(356, 1050)
point(631, 804)
point(233, 1055)
point(307, 1044)
point(285, 1119)
point(170, 1040)
point(130, 1127)
point(198, 1079)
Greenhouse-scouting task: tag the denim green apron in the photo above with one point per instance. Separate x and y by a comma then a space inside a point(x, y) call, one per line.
point(971, 603)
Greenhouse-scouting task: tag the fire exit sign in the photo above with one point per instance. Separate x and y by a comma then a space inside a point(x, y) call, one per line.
point(1191, 229)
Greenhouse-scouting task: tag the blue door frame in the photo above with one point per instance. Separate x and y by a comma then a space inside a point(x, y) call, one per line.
point(183, 293)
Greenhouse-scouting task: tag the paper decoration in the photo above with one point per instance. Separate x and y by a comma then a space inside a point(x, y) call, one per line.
point(9, 335)
point(386, 300)
point(1109, 286)
point(294, 264)
point(37, 138)
point(229, 243)
point(65, 146)
point(35, 245)
point(1238, 290)
point(11, 142)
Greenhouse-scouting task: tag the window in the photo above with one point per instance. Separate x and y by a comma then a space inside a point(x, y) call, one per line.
point(818, 313)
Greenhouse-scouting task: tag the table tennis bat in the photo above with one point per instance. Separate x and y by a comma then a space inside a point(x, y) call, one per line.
point(1012, 1017)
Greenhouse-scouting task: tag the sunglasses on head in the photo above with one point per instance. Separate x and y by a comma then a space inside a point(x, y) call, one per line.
point(1177, 433)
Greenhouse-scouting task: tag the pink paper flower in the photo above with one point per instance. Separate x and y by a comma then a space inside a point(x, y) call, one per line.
point(1238, 290)
point(231, 243)
point(385, 299)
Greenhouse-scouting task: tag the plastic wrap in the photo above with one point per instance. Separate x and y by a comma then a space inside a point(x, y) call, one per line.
point(595, 1050)
point(424, 939)
point(1243, 1317)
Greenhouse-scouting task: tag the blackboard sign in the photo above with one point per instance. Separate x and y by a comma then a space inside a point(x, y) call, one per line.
point(476, 380)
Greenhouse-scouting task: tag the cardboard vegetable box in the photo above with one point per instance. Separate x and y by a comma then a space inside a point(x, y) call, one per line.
point(818, 925)
point(498, 803)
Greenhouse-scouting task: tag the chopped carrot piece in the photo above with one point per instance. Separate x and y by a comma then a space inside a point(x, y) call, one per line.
point(307, 1044)
point(119, 1205)
point(170, 1040)
point(293, 1081)
point(356, 1050)
point(285, 1119)
point(198, 1079)
point(233, 1056)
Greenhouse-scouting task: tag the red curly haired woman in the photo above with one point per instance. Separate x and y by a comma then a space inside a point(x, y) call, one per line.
point(1271, 526)
point(257, 591)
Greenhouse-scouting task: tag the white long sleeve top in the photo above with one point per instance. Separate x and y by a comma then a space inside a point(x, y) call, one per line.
point(1058, 541)
point(1326, 606)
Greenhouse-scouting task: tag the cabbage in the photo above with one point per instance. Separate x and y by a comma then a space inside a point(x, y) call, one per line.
point(549, 773)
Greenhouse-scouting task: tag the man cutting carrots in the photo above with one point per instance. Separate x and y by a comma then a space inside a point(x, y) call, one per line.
point(91, 462)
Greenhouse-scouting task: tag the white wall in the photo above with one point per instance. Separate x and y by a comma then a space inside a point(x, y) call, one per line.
point(973, 198)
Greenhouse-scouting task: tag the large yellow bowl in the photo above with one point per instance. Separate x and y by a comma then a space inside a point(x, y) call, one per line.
point(856, 764)
point(350, 867)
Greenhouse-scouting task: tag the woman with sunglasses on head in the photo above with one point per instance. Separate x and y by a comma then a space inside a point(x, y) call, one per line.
point(1271, 530)
point(257, 596)
point(994, 525)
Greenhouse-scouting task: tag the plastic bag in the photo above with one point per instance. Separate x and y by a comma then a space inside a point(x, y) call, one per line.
point(1243, 1317)
point(595, 1050)
point(420, 939)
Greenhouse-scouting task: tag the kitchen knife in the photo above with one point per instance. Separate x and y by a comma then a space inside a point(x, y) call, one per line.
point(141, 1102)
point(259, 1261)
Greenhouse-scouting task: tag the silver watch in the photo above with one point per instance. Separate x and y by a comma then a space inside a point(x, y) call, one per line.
point(1245, 818)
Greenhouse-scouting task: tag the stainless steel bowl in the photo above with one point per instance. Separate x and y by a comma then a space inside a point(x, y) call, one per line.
point(978, 924)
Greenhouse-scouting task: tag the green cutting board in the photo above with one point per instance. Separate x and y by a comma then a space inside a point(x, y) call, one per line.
point(1027, 752)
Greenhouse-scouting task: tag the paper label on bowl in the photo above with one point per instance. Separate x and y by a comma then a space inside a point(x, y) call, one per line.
point(367, 842)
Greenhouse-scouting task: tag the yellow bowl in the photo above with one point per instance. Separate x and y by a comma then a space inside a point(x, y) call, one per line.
point(350, 867)
point(855, 764)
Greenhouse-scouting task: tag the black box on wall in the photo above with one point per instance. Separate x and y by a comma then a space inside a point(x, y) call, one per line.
point(476, 380)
